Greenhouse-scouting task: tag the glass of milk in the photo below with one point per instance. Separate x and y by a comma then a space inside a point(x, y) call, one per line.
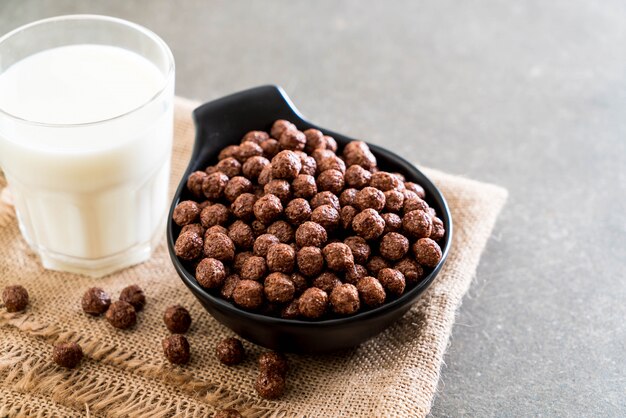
point(86, 115)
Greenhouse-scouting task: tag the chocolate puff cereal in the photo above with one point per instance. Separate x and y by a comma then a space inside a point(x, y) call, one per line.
point(188, 245)
point(230, 351)
point(427, 252)
point(298, 211)
point(95, 301)
point(311, 234)
point(177, 319)
point(248, 294)
point(134, 295)
point(186, 212)
point(313, 303)
point(286, 165)
point(121, 315)
point(310, 261)
point(229, 166)
point(281, 258)
point(279, 288)
point(67, 355)
point(176, 349)
point(371, 291)
point(15, 298)
point(344, 299)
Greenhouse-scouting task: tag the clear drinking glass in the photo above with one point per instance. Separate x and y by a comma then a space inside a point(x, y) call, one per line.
point(91, 196)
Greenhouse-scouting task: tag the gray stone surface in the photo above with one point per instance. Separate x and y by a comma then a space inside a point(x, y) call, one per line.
point(530, 95)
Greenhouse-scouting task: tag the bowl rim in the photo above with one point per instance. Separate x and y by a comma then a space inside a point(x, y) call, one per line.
point(407, 298)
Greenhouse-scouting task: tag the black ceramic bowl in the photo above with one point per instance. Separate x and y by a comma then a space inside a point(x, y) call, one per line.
point(224, 122)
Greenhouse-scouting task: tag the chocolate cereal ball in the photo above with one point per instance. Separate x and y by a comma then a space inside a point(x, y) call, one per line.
point(15, 298)
point(291, 311)
point(228, 152)
point(263, 243)
point(331, 144)
point(392, 280)
point(360, 249)
point(210, 273)
point(67, 355)
point(216, 229)
point(417, 224)
point(177, 319)
point(368, 224)
point(309, 166)
point(298, 211)
point(376, 264)
point(325, 198)
point(330, 180)
point(216, 214)
point(326, 216)
point(415, 188)
point(281, 258)
point(229, 166)
point(326, 281)
point(314, 140)
point(348, 197)
point(229, 286)
point(270, 148)
point(241, 235)
point(338, 256)
point(393, 246)
point(230, 351)
point(134, 295)
point(194, 183)
point(236, 186)
point(240, 259)
point(255, 136)
point(248, 294)
point(331, 162)
point(312, 303)
point(412, 271)
point(254, 268)
point(347, 215)
point(393, 222)
point(248, 150)
point(281, 230)
point(188, 246)
point(280, 126)
point(186, 212)
point(371, 291)
point(214, 185)
point(220, 247)
point(394, 200)
point(270, 385)
point(286, 165)
point(176, 349)
point(310, 261)
point(438, 230)
point(95, 301)
point(357, 177)
point(369, 197)
point(415, 203)
point(321, 154)
point(358, 153)
point(243, 206)
point(121, 315)
point(274, 363)
point(195, 228)
point(354, 274)
point(344, 299)
point(292, 139)
point(279, 288)
point(227, 413)
point(268, 208)
point(304, 186)
point(299, 283)
point(311, 234)
point(253, 166)
point(427, 252)
point(384, 181)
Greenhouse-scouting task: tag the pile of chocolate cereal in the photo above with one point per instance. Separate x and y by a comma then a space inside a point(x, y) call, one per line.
point(285, 226)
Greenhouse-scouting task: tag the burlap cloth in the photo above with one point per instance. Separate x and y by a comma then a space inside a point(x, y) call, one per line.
point(125, 374)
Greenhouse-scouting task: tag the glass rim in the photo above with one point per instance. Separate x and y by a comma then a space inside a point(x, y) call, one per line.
point(93, 17)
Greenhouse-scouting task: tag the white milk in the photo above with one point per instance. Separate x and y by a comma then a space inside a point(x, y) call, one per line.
point(90, 197)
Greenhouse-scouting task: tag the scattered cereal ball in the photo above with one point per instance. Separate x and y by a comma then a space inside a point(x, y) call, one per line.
point(354, 274)
point(393, 222)
point(357, 177)
point(298, 211)
point(338, 256)
point(417, 224)
point(255, 136)
point(236, 186)
point(281, 230)
point(438, 230)
point(95, 301)
point(220, 247)
point(67, 355)
point(279, 288)
point(268, 208)
point(254, 268)
point(210, 273)
point(121, 315)
point(186, 212)
point(229, 166)
point(394, 200)
point(195, 228)
point(394, 246)
point(312, 303)
point(359, 248)
point(344, 299)
point(368, 224)
point(331, 163)
point(274, 363)
point(270, 385)
point(188, 246)
point(314, 140)
point(194, 183)
point(216, 214)
point(291, 311)
point(310, 261)
point(326, 281)
point(265, 176)
point(134, 295)
point(15, 298)
point(331, 144)
point(176, 349)
point(311, 234)
point(358, 153)
point(412, 271)
point(280, 189)
point(325, 198)
point(384, 181)
point(371, 291)
point(228, 152)
point(270, 148)
point(331, 180)
point(348, 197)
point(243, 206)
point(263, 243)
point(292, 139)
point(370, 197)
point(253, 166)
point(376, 264)
point(280, 126)
point(304, 186)
point(347, 215)
point(415, 188)
point(281, 258)
point(427, 252)
point(227, 413)
point(415, 203)
point(230, 351)
point(216, 229)
point(248, 150)
point(229, 286)
point(392, 280)
point(177, 319)
point(300, 283)
point(241, 235)
point(326, 216)
point(248, 294)
point(214, 185)
point(286, 165)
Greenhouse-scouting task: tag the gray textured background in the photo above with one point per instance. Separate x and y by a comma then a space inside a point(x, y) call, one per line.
point(526, 94)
